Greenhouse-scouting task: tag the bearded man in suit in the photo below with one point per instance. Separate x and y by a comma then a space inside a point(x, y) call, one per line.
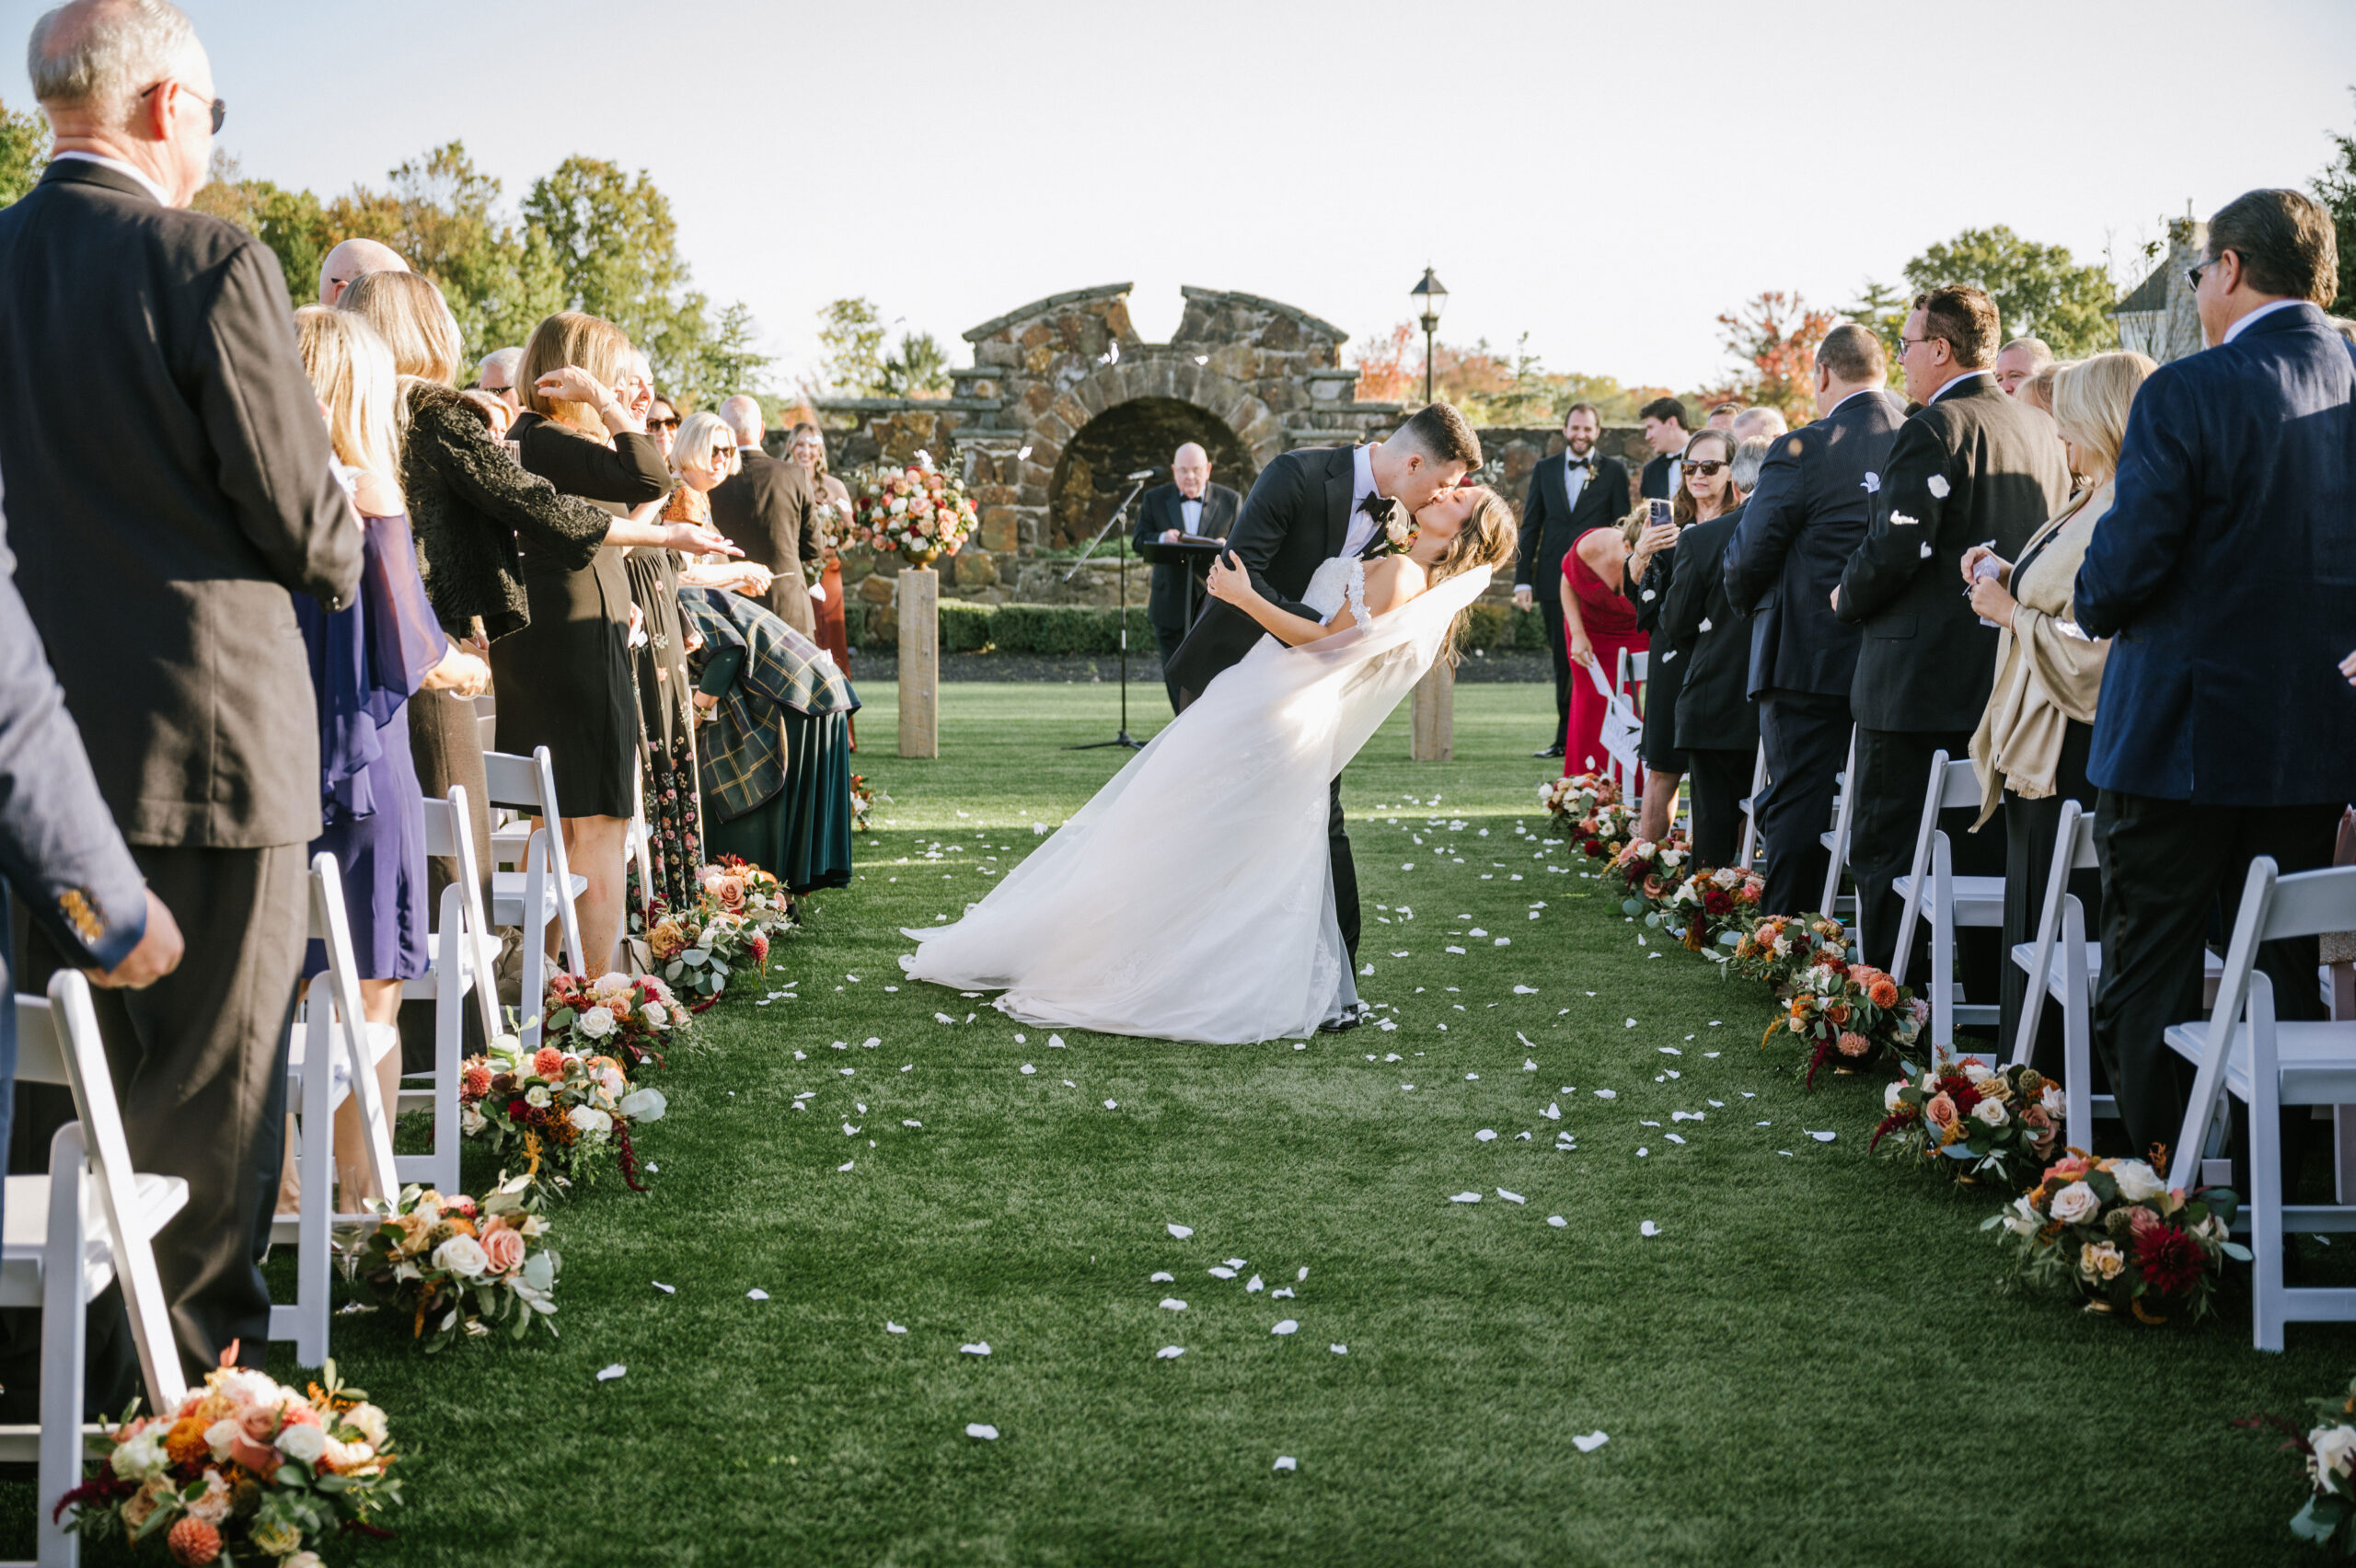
point(1189, 507)
point(1569, 493)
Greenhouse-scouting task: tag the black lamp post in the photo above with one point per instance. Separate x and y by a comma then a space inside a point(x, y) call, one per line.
point(1431, 295)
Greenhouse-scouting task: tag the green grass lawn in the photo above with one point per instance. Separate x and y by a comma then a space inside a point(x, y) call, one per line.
point(1810, 1364)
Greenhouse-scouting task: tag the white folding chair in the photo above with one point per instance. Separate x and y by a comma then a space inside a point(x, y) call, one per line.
point(91, 1220)
point(464, 958)
point(2243, 1051)
point(641, 845)
point(546, 888)
point(1933, 892)
point(1836, 839)
point(333, 1053)
point(1624, 682)
point(1748, 850)
point(487, 721)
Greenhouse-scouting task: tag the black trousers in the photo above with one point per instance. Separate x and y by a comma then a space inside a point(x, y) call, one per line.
point(2030, 827)
point(1550, 608)
point(1807, 737)
point(1345, 875)
point(200, 1069)
point(1167, 638)
point(2166, 866)
point(1893, 769)
point(1718, 780)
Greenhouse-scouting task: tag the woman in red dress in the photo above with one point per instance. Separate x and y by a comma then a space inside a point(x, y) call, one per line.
point(1598, 622)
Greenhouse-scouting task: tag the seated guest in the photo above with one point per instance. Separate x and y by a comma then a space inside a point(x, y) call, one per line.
point(2018, 360)
point(776, 752)
point(2225, 731)
point(368, 660)
point(2032, 744)
point(1716, 724)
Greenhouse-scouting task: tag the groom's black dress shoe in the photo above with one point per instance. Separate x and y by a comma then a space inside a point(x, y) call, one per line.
point(1550, 751)
point(1345, 1022)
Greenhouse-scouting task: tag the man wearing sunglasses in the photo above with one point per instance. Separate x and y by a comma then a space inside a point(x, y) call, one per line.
point(161, 424)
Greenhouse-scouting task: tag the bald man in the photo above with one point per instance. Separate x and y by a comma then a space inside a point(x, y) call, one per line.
point(350, 259)
point(2019, 360)
point(1190, 507)
point(773, 513)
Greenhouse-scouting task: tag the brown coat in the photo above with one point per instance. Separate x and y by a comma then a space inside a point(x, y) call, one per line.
point(777, 517)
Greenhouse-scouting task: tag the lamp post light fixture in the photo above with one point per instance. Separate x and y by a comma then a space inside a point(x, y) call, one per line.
point(1431, 295)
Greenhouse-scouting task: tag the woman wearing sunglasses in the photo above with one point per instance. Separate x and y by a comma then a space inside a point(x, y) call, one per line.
point(1717, 722)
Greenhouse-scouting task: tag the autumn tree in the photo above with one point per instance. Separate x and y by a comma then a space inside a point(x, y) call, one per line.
point(1773, 338)
point(1388, 366)
point(2040, 291)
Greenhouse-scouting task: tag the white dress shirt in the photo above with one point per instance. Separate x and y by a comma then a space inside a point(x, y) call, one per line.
point(1575, 479)
point(120, 168)
point(1190, 515)
point(1362, 485)
point(1964, 380)
point(2238, 327)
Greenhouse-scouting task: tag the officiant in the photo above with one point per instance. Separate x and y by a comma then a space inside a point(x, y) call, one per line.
point(1189, 507)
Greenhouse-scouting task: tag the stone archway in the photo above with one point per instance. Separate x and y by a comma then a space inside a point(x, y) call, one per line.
point(1141, 435)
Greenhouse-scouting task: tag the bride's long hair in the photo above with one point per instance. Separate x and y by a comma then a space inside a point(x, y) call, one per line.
point(1487, 538)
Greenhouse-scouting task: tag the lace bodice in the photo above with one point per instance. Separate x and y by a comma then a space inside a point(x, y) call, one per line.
point(1342, 578)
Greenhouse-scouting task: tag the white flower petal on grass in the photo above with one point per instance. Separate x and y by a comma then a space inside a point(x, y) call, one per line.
point(1222, 1272)
point(1180, 1232)
point(1282, 1292)
point(665, 1289)
point(1111, 1105)
point(1163, 1276)
point(1286, 1326)
point(1286, 1462)
point(1054, 1041)
point(982, 1430)
point(756, 1296)
point(1526, 990)
point(1253, 1285)
point(907, 1122)
point(1631, 1023)
point(1169, 1353)
point(1607, 1094)
point(1553, 1111)
point(1512, 1197)
point(1591, 1442)
point(1027, 1070)
point(1557, 1221)
point(845, 1165)
point(979, 1347)
point(1172, 1303)
point(892, 1328)
point(1822, 1137)
point(1487, 1134)
point(1465, 1198)
point(1648, 1228)
point(608, 1374)
point(1303, 1274)
point(1339, 1349)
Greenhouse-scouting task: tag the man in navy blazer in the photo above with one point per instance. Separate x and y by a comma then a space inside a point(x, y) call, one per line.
point(1806, 516)
point(2226, 574)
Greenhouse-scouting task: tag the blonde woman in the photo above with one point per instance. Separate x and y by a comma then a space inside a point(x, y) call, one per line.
point(368, 660)
point(807, 446)
point(2031, 748)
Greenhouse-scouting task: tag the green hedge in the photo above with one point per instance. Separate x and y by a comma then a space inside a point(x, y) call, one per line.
point(1498, 627)
point(966, 628)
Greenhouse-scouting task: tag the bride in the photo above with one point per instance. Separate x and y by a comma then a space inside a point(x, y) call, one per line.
point(1192, 898)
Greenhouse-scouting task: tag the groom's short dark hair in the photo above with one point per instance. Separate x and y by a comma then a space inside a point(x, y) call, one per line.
point(1438, 430)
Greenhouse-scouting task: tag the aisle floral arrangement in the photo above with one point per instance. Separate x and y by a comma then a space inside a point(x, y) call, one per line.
point(917, 510)
point(1976, 1122)
point(242, 1468)
point(862, 803)
point(455, 1268)
point(1586, 809)
point(2115, 1232)
point(1850, 1014)
point(556, 1107)
point(738, 912)
point(2328, 1517)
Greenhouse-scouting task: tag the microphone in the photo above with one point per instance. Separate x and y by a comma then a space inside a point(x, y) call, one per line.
point(1145, 473)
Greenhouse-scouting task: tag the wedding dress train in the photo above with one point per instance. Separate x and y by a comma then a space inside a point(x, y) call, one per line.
point(1192, 898)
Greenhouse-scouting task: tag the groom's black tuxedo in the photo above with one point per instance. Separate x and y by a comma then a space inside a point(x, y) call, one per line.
point(1296, 519)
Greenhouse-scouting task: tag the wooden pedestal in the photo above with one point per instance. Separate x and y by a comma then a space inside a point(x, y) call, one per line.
point(919, 591)
point(1432, 721)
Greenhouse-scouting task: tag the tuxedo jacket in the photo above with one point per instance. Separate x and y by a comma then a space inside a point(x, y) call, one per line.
point(169, 478)
point(1296, 519)
point(1974, 467)
point(2225, 574)
point(772, 512)
point(1714, 711)
point(1653, 484)
point(1157, 512)
point(1805, 518)
point(1550, 520)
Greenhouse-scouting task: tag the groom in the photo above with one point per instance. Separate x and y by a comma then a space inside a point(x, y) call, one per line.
point(1306, 508)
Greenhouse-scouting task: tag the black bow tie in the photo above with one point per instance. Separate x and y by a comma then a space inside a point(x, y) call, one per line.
point(1379, 506)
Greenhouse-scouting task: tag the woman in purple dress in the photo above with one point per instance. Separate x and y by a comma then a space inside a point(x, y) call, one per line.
point(367, 660)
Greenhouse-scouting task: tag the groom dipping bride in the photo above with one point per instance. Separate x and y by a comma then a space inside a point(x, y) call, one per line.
point(1206, 891)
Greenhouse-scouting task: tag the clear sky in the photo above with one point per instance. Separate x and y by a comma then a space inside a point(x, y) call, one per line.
point(1605, 177)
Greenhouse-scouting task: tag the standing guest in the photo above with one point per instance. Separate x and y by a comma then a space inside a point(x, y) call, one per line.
point(1970, 466)
point(2038, 390)
point(830, 610)
point(1665, 433)
point(1716, 721)
point(353, 260)
point(1723, 416)
point(1599, 624)
point(2019, 360)
point(1189, 507)
point(1761, 424)
point(2034, 738)
point(773, 513)
point(2225, 732)
point(564, 679)
point(496, 376)
point(1806, 517)
point(1567, 497)
point(195, 468)
point(367, 660)
point(663, 424)
point(1703, 492)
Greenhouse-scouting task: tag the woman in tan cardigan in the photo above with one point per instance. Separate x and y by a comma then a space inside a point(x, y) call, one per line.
point(2031, 747)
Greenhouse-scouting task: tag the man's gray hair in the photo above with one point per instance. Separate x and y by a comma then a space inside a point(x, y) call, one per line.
point(504, 360)
point(99, 55)
point(1749, 459)
point(742, 414)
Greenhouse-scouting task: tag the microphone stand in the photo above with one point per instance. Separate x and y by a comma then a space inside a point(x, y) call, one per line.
point(1121, 737)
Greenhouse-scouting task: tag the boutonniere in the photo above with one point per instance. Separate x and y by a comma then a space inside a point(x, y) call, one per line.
point(1394, 530)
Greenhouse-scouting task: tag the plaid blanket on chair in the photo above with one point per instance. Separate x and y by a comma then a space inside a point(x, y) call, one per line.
point(756, 664)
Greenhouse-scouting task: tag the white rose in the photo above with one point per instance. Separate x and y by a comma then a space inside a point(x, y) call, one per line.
point(1990, 1113)
point(597, 1022)
point(461, 1255)
point(142, 1456)
point(1890, 1095)
point(655, 1015)
point(471, 1121)
point(2101, 1259)
point(219, 1435)
point(368, 1420)
point(2334, 1447)
point(2136, 1181)
point(538, 1095)
point(589, 1119)
point(2075, 1204)
point(2051, 1097)
point(2022, 1218)
point(645, 1105)
point(303, 1560)
point(1976, 1071)
point(213, 1505)
point(305, 1443)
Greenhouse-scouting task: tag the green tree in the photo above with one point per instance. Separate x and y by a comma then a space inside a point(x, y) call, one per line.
point(291, 222)
point(24, 152)
point(1882, 310)
point(441, 213)
point(850, 343)
point(2336, 188)
point(917, 368)
point(2040, 290)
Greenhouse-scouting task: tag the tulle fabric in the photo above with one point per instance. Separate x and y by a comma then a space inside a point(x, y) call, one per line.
point(1192, 898)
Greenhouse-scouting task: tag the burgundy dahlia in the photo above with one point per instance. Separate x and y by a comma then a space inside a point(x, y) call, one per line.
point(2170, 1260)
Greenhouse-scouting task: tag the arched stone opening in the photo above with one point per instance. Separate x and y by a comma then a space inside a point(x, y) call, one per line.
point(1092, 475)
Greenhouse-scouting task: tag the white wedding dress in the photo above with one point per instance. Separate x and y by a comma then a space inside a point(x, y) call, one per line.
point(1192, 898)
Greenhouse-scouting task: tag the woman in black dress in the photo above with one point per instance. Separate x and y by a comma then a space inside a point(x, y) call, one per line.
point(1717, 722)
point(564, 681)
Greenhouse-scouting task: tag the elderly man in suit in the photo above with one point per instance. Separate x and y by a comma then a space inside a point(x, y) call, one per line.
point(772, 512)
point(1804, 519)
point(1189, 507)
point(1969, 466)
point(1569, 493)
point(2226, 574)
point(173, 488)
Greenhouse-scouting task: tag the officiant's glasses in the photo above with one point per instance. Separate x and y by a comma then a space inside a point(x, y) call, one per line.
point(220, 106)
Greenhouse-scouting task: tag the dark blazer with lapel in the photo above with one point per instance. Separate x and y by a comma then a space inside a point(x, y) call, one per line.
point(1296, 519)
point(2226, 574)
point(1653, 484)
point(1550, 520)
point(1805, 518)
point(1714, 711)
point(1158, 511)
point(168, 473)
point(768, 509)
point(1972, 467)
